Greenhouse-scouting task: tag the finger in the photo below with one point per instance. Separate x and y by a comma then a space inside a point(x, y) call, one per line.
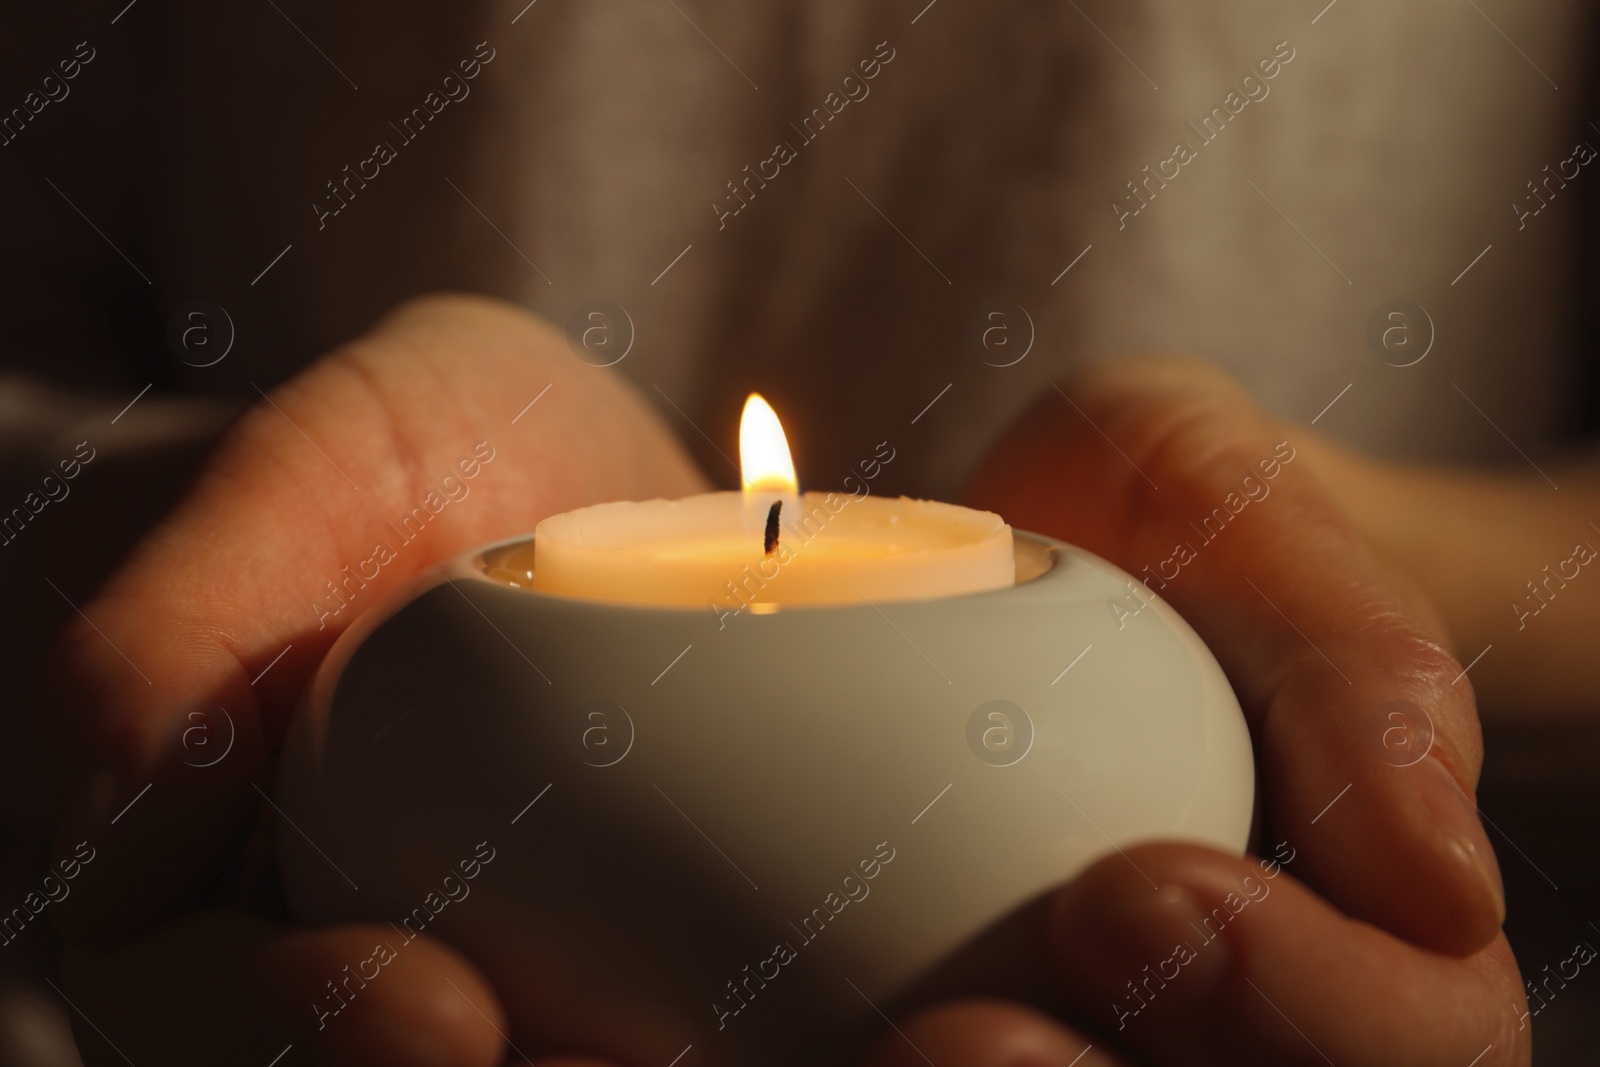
point(1166, 467)
point(404, 440)
point(987, 1033)
point(226, 987)
point(1193, 957)
point(367, 995)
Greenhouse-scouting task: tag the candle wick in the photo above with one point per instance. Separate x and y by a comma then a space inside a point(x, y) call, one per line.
point(771, 540)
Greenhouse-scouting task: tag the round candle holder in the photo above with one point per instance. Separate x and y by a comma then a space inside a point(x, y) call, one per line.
point(752, 834)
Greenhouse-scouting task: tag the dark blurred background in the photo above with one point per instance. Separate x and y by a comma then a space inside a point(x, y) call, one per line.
point(109, 201)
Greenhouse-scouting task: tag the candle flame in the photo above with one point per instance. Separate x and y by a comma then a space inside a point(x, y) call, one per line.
point(764, 456)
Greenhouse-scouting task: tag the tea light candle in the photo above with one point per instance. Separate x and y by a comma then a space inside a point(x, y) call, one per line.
point(716, 548)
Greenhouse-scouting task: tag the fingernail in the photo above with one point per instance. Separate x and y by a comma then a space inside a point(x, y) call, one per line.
point(1455, 815)
point(1154, 945)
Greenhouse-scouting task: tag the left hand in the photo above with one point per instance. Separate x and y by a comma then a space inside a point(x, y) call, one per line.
point(172, 952)
point(1381, 943)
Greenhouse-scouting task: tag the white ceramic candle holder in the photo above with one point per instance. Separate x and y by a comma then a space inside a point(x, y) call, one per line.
point(655, 828)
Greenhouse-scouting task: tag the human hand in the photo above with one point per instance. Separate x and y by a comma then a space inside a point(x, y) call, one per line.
point(1379, 942)
point(227, 605)
point(1510, 531)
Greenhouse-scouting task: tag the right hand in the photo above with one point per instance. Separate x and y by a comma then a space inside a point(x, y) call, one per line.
point(1381, 944)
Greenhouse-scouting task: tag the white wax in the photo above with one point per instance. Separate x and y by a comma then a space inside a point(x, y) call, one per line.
point(838, 550)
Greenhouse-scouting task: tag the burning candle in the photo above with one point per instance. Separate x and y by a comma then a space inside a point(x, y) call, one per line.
point(685, 813)
point(766, 545)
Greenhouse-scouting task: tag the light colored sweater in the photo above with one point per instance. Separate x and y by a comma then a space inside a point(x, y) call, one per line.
point(1381, 159)
point(773, 218)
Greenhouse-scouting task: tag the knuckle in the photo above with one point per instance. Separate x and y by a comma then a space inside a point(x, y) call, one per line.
point(1196, 446)
point(1421, 670)
point(1413, 652)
